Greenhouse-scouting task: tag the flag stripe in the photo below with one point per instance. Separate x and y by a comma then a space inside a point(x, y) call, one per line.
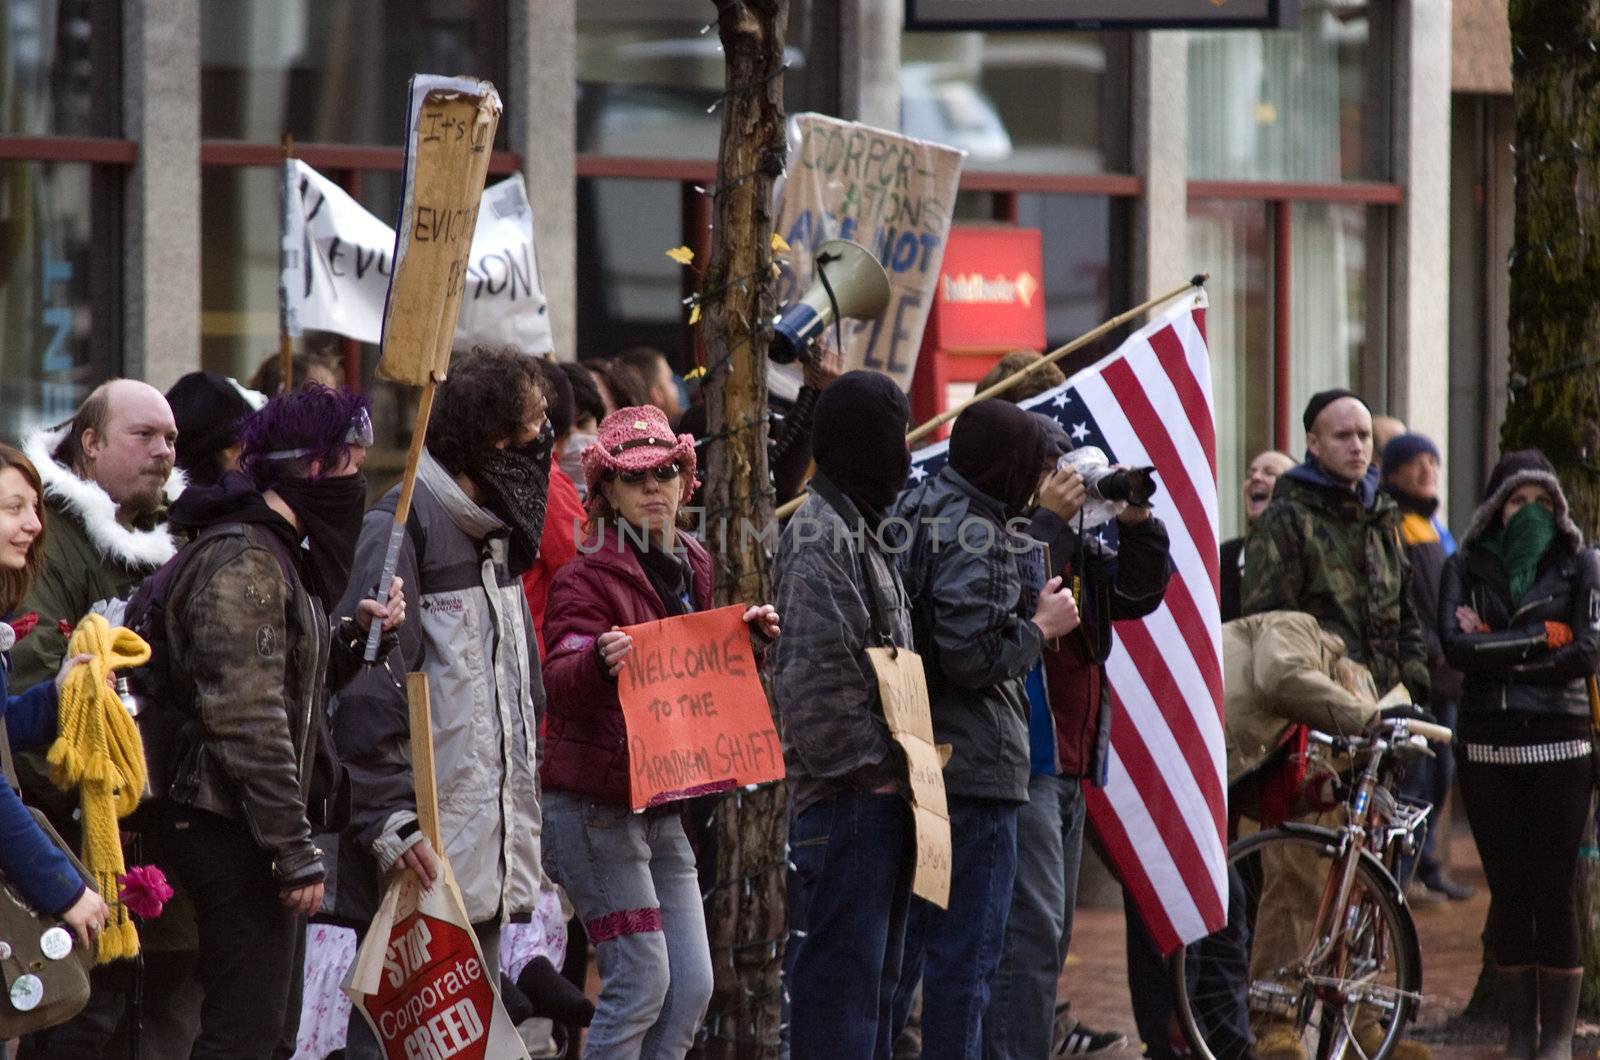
point(1170, 352)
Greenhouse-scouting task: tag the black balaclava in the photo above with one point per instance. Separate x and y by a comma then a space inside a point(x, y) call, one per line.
point(859, 440)
point(1001, 450)
point(329, 510)
point(514, 482)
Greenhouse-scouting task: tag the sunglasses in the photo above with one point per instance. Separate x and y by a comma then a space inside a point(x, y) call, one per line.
point(664, 473)
point(359, 433)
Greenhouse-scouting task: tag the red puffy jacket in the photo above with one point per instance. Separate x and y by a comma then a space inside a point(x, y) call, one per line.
point(563, 518)
point(586, 741)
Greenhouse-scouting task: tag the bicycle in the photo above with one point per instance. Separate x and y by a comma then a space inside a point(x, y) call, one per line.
point(1348, 980)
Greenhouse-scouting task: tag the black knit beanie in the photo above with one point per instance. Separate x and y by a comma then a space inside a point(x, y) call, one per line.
point(208, 409)
point(1323, 398)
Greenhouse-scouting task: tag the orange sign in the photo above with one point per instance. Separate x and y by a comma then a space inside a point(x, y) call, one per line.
point(697, 716)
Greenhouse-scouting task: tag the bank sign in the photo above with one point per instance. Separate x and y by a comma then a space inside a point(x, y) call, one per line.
point(991, 290)
point(1101, 14)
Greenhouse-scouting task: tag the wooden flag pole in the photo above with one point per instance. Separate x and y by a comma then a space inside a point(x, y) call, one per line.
point(922, 431)
point(422, 775)
point(285, 344)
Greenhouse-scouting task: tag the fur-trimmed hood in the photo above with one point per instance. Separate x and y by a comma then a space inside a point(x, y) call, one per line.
point(95, 511)
point(1487, 514)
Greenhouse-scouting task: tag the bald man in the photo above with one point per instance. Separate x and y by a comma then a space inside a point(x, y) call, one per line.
point(1385, 429)
point(1259, 479)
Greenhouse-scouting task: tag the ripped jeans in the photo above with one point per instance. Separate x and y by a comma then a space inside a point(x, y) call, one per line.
point(631, 878)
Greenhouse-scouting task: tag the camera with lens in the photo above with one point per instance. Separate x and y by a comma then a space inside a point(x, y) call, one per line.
point(1109, 487)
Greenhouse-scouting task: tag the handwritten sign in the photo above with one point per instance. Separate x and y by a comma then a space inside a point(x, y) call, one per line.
point(450, 130)
point(697, 716)
point(903, 690)
point(894, 195)
point(420, 981)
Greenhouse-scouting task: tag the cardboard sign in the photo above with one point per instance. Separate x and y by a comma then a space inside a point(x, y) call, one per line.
point(420, 981)
point(336, 264)
point(450, 128)
point(903, 690)
point(697, 716)
point(892, 194)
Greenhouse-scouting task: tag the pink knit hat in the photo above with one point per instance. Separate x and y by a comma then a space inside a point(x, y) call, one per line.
point(635, 438)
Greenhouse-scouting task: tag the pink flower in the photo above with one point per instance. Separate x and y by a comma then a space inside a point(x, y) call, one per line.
point(144, 891)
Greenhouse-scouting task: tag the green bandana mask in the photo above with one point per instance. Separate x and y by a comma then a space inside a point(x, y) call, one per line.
point(1521, 543)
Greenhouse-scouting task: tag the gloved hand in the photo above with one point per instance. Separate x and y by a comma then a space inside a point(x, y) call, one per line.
point(1557, 635)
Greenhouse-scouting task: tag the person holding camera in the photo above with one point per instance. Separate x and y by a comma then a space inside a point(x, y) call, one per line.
point(980, 623)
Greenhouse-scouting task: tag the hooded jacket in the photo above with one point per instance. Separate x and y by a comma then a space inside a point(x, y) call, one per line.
point(1426, 549)
point(1512, 669)
point(587, 740)
point(468, 629)
point(1336, 554)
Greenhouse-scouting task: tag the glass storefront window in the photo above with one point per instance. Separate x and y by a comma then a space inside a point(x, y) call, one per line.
point(61, 68)
point(651, 74)
point(1230, 240)
point(1294, 105)
point(59, 327)
point(1328, 292)
point(1085, 266)
point(1021, 102)
point(335, 71)
point(629, 291)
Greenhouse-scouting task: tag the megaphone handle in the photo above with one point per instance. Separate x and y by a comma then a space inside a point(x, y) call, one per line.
point(833, 301)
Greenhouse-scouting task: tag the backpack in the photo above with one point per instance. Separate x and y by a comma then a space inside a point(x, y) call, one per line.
point(168, 725)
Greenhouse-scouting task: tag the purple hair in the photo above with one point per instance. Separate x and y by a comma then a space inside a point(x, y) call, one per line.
point(314, 418)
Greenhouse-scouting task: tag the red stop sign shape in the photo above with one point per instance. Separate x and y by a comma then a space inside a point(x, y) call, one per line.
point(434, 1001)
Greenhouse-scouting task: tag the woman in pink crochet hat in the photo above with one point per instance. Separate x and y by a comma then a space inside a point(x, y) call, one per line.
point(631, 876)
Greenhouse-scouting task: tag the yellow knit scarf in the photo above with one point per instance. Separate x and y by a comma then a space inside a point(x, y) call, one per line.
point(97, 750)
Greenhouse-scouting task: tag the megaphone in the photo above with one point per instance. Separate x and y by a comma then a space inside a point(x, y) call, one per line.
point(849, 282)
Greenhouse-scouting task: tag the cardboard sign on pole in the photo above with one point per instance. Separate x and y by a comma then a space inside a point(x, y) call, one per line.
point(697, 716)
point(903, 690)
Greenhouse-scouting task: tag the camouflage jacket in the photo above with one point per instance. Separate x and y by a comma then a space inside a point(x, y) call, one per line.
point(834, 735)
point(1336, 554)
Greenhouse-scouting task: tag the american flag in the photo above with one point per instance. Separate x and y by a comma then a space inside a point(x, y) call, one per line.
point(1162, 811)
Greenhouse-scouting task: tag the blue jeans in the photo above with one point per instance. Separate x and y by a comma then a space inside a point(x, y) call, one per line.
point(954, 952)
point(849, 895)
point(631, 878)
point(1429, 779)
point(1021, 1019)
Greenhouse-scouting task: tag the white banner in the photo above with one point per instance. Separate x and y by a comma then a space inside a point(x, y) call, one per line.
point(336, 260)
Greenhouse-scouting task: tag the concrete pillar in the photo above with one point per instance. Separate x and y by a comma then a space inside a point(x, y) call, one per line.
point(869, 62)
point(161, 256)
point(541, 125)
point(1161, 159)
point(1419, 311)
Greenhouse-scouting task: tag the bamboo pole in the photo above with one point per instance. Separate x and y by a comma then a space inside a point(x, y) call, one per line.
point(923, 430)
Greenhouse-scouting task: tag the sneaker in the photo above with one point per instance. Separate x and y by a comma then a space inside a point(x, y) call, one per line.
point(1441, 884)
point(1078, 1040)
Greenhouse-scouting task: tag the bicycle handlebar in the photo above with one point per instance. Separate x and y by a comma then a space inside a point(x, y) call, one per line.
point(1429, 731)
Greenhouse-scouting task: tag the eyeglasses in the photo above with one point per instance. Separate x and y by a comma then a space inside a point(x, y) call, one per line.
point(664, 473)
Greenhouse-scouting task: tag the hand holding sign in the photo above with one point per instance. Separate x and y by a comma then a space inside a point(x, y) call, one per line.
point(697, 716)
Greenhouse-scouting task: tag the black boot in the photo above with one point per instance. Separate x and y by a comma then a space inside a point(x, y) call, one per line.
point(1519, 997)
point(1558, 1011)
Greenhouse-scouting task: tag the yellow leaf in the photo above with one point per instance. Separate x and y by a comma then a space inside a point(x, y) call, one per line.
point(681, 255)
point(779, 244)
point(694, 315)
point(694, 374)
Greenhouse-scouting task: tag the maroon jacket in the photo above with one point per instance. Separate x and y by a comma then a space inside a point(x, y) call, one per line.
point(586, 744)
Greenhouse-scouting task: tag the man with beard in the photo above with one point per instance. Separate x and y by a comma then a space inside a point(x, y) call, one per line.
point(107, 474)
point(475, 524)
point(239, 767)
point(1259, 479)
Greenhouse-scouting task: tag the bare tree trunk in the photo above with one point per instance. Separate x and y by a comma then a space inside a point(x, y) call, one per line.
point(748, 909)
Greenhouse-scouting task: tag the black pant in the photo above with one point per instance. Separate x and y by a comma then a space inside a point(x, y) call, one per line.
point(1528, 822)
point(251, 945)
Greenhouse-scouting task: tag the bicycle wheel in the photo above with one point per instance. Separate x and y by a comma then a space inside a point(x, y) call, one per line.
point(1348, 992)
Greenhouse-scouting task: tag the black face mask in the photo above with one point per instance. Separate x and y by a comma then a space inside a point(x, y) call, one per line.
point(329, 511)
point(515, 483)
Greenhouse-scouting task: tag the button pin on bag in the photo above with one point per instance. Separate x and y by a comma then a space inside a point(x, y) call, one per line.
point(26, 993)
point(55, 943)
point(5, 950)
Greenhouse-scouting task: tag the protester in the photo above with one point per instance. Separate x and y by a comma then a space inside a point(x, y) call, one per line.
point(1037, 382)
point(564, 515)
point(661, 384)
point(476, 519)
point(1384, 430)
point(209, 410)
point(41, 873)
point(1259, 479)
point(241, 768)
point(1329, 545)
point(631, 876)
point(852, 840)
point(588, 410)
point(1517, 616)
point(107, 476)
point(306, 368)
point(1411, 476)
point(980, 621)
point(619, 384)
point(1070, 733)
